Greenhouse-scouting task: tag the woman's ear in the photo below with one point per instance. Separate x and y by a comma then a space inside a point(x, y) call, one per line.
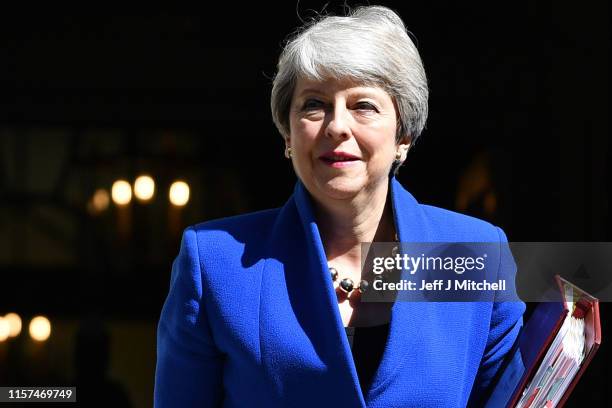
point(404, 146)
point(288, 148)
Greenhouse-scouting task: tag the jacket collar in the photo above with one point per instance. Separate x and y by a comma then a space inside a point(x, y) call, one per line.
point(409, 221)
point(411, 226)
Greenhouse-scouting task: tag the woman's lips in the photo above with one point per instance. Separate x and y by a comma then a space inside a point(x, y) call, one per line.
point(338, 159)
point(339, 163)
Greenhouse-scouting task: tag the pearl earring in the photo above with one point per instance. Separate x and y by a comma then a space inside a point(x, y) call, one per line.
point(288, 152)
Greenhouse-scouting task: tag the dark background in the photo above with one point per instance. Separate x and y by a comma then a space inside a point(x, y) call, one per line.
point(517, 134)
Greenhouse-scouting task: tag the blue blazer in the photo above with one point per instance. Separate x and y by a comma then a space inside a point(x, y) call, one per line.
point(252, 320)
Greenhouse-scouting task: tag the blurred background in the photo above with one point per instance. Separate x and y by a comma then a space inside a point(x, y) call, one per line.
point(117, 132)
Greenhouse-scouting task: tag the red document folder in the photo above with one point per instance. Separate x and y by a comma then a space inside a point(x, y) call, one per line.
point(536, 337)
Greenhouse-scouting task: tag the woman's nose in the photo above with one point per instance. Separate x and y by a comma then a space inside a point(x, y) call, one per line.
point(338, 126)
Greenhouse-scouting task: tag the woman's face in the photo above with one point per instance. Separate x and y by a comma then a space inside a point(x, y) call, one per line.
point(342, 137)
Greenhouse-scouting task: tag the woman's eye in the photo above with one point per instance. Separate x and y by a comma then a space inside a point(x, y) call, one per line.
point(365, 106)
point(311, 104)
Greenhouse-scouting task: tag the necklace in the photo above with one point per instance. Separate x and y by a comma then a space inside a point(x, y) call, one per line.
point(347, 285)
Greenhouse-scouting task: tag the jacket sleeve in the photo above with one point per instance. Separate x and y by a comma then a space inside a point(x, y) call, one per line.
point(189, 365)
point(505, 325)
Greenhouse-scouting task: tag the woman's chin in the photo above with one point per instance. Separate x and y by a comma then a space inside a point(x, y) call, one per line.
point(341, 188)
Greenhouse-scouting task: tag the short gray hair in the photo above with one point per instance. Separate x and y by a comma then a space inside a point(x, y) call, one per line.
point(371, 46)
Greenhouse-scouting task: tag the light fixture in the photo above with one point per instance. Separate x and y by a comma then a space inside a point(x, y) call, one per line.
point(179, 193)
point(99, 201)
point(144, 188)
point(14, 322)
point(5, 329)
point(121, 192)
point(40, 328)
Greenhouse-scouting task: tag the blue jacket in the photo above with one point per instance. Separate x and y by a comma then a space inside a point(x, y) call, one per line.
point(252, 320)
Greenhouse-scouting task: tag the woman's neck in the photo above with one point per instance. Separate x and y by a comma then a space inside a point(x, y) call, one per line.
point(345, 224)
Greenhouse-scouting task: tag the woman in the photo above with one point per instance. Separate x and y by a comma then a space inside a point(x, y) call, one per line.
point(255, 318)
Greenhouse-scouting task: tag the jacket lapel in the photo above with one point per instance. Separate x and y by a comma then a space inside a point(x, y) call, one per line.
point(406, 317)
point(303, 340)
point(343, 357)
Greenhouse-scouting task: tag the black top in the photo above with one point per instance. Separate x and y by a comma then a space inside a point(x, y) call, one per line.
point(367, 346)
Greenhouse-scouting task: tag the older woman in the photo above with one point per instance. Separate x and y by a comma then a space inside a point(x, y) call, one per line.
point(255, 318)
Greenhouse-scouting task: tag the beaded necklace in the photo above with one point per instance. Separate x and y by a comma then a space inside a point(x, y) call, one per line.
point(347, 285)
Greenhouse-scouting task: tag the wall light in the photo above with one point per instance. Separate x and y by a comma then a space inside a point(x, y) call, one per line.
point(14, 322)
point(5, 329)
point(144, 188)
point(40, 328)
point(179, 193)
point(121, 192)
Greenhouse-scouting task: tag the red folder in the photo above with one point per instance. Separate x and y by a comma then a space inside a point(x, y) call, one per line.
point(537, 336)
